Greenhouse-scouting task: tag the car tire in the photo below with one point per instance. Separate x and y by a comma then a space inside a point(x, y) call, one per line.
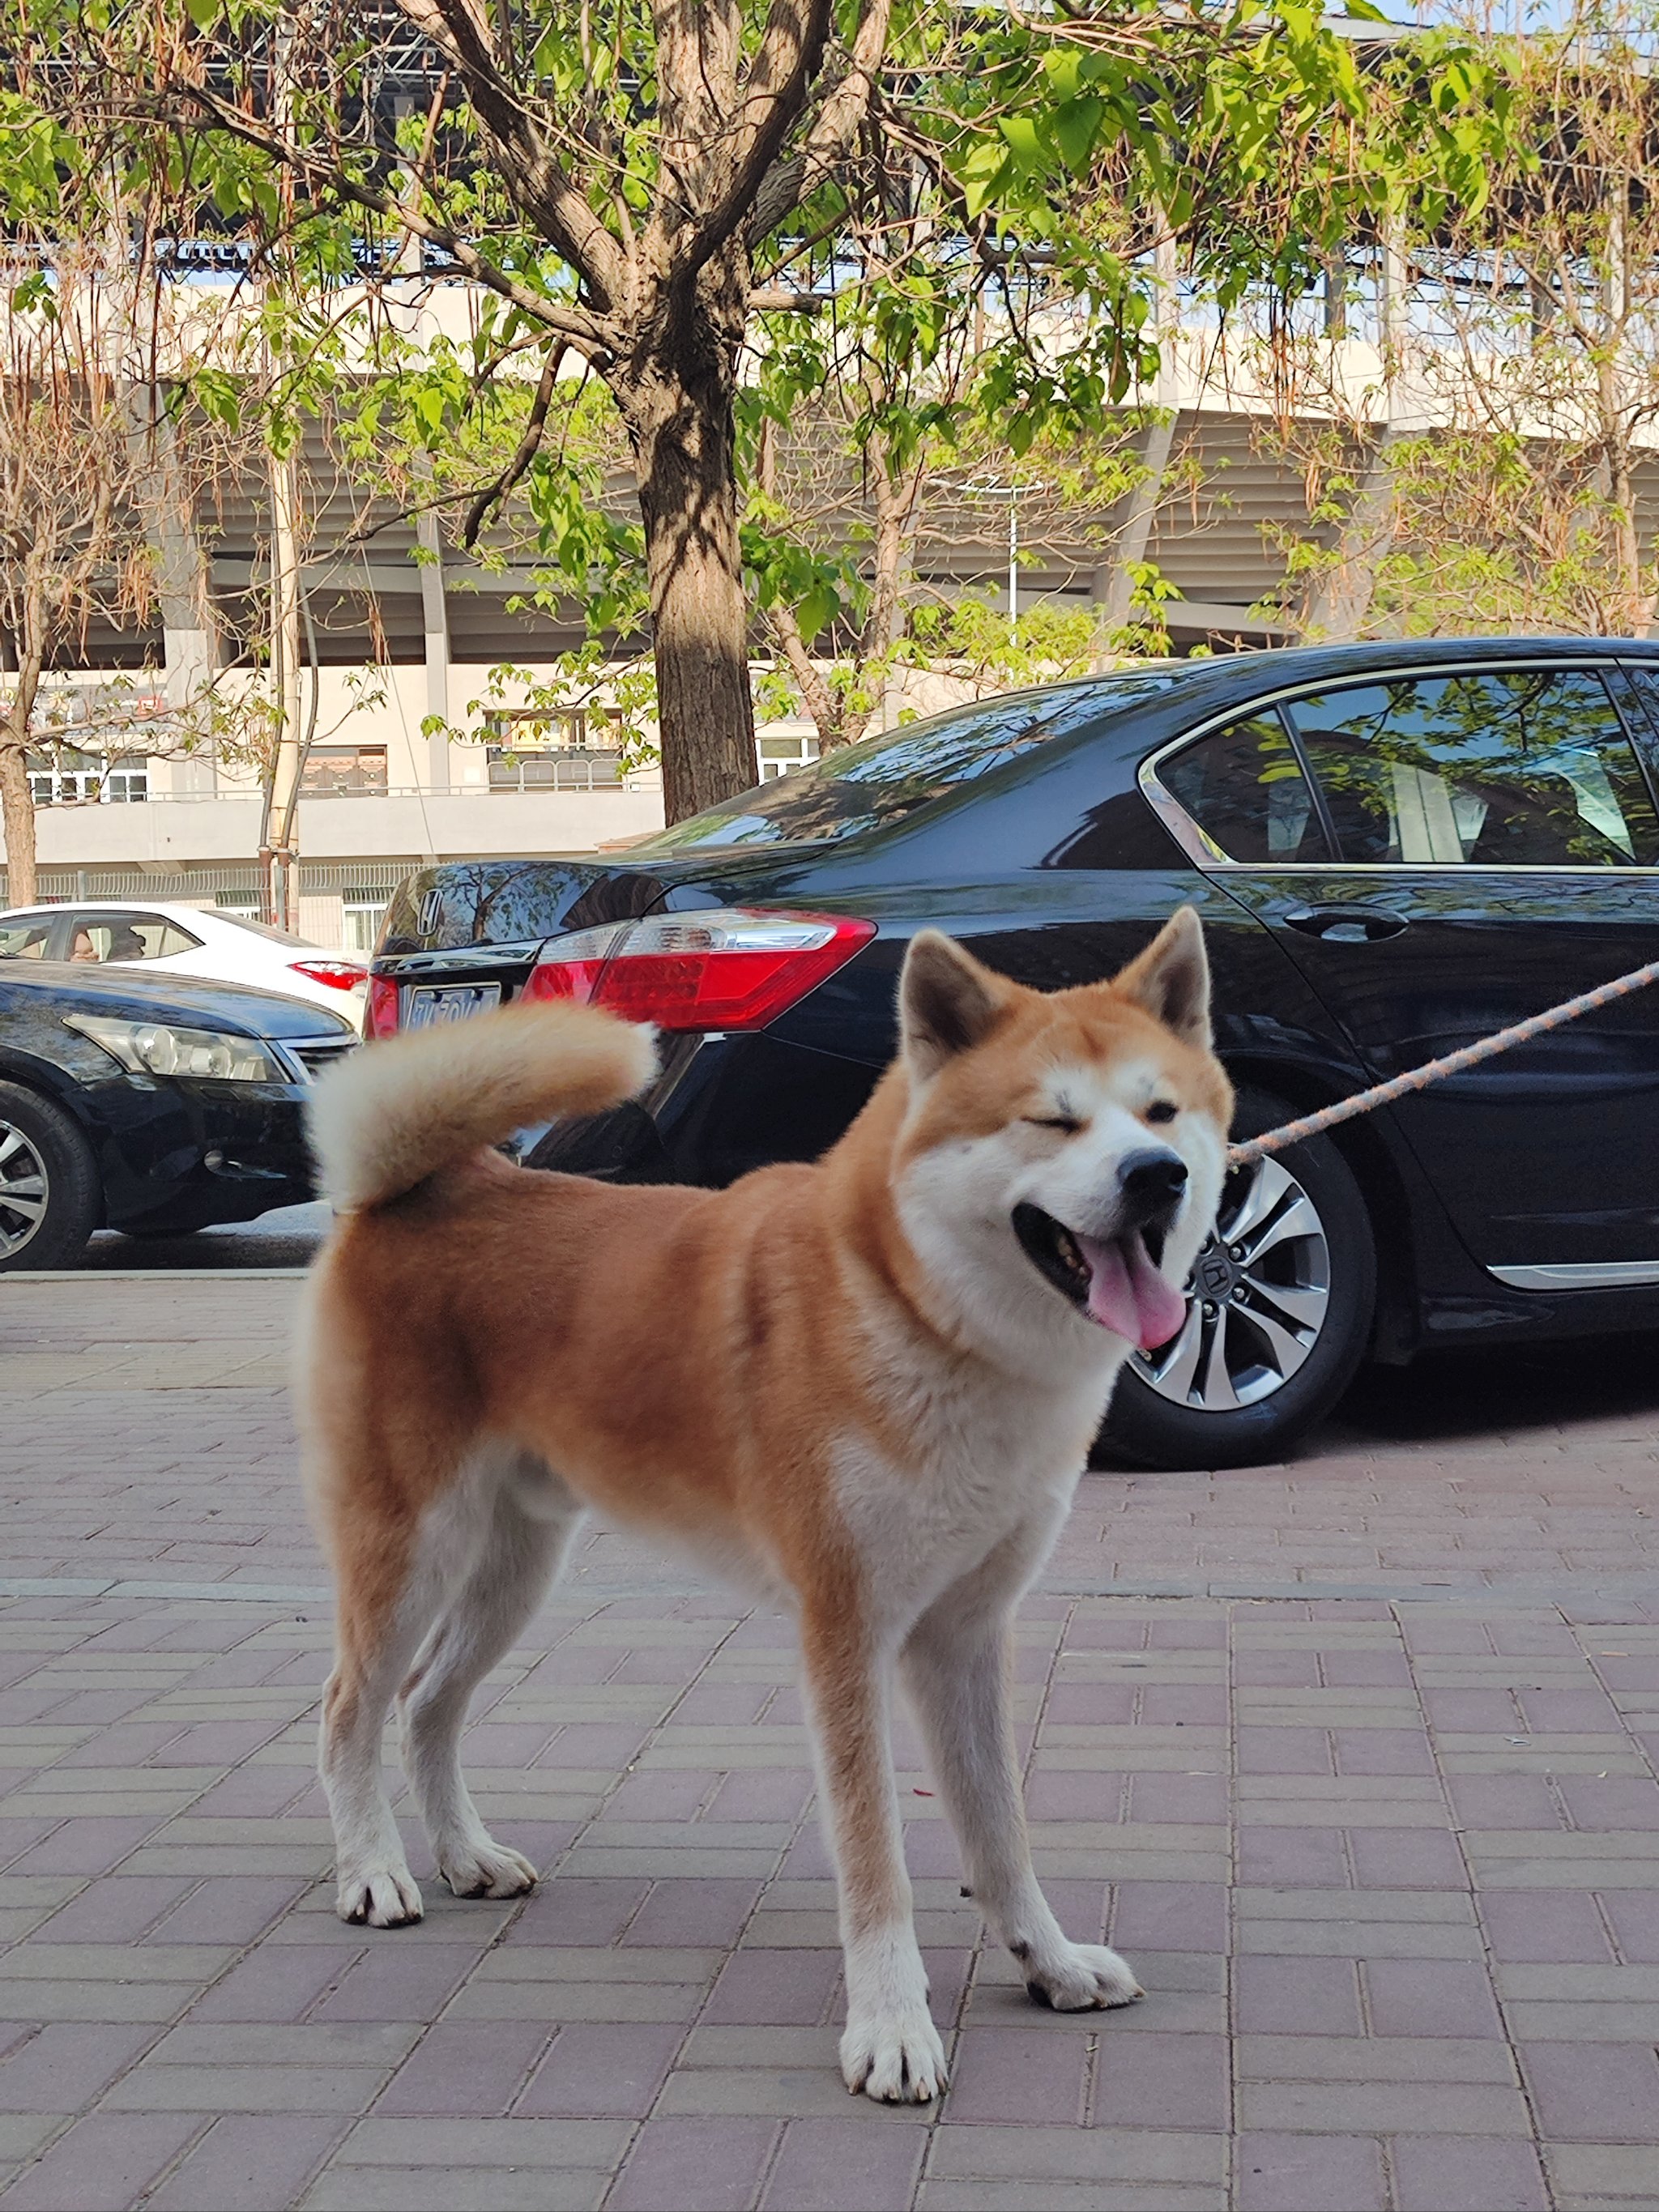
point(1283, 1342)
point(48, 1166)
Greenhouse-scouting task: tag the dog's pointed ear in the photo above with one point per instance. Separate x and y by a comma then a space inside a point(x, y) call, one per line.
point(947, 1001)
point(1172, 979)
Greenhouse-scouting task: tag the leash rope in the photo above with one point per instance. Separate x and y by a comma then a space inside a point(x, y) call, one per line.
point(1431, 1071)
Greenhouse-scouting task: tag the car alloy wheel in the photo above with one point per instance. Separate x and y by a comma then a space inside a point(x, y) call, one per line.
point(24, 1190)
point(1258, 1296)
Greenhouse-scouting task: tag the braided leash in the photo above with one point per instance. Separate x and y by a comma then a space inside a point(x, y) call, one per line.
point(1431, 1071)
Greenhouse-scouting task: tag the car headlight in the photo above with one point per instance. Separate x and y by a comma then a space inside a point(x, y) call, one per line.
point(164, 1049)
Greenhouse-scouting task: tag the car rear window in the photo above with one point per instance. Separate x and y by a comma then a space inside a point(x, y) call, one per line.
point(272, 935)
point(872, 784)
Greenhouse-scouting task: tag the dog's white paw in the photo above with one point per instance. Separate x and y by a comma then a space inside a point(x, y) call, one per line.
point(1080, 1978)
point(898, 2060)
point(486, 1868)
point(384, 1896)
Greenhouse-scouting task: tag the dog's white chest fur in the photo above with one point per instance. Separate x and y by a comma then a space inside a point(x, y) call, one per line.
point(981, 1461)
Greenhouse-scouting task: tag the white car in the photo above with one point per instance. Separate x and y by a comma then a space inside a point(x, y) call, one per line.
point(187, 940)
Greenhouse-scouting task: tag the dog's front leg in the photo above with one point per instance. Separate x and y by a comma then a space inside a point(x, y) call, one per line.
point(956, 1664)
point(891, 2050)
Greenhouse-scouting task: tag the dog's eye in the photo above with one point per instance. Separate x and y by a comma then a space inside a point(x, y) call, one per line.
point(1162, 1110)
point(1064, 1123)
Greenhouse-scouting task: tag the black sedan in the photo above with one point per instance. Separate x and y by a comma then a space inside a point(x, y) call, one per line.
point(153, 1107)
point(1395, 848)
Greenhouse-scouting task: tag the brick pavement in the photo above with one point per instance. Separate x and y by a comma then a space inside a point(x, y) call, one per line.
point(1387, 1861)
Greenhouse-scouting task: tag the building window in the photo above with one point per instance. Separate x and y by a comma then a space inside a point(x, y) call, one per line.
point(241, 906)
point(778, 755)
point(362, 910)
point(546, 730)
point(335, 768)
point(67, 778)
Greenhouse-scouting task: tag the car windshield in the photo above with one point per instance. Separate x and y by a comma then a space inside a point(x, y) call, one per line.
point(870, 785)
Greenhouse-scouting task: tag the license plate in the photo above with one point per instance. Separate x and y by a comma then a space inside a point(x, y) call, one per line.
point(429, 1005)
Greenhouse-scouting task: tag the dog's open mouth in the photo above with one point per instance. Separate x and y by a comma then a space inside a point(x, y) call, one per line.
point(1117, 1284)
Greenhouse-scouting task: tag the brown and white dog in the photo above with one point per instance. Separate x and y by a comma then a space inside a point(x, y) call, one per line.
point(868, 1386)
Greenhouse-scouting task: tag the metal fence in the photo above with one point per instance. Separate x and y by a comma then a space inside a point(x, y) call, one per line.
point(211, 887)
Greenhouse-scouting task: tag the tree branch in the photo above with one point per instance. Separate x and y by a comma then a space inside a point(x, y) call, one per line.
point(788, 182)
point(524, 453)
point(542, 187)
point(571, 322)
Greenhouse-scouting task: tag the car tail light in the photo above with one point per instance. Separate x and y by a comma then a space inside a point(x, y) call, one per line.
point(338, 975)
point(730, 968)
point(382, 1017)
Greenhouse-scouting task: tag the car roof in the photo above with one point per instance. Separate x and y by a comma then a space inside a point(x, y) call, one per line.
point(200, 1003)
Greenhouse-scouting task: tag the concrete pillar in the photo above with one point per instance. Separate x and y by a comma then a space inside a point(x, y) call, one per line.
point(434, 624)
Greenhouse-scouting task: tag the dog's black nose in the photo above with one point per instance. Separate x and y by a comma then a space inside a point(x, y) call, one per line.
point(1151, 1181)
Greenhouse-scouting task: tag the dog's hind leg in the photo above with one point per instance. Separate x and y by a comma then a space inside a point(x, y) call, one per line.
point(386, 1605)
point(956, 1668)
point(533, 1518)
point(891, 2048)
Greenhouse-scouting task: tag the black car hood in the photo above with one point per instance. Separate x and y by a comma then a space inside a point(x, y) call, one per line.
point(77, 986)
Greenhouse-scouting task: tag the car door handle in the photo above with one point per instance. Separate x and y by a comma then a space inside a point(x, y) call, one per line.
point(1347, 925)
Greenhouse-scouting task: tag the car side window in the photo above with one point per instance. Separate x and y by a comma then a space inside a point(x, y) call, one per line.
point(25, 940)
point(1244, 788)
point(126, 937)
point(1496, 768)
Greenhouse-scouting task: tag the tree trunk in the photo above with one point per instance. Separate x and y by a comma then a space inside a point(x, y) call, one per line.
point(17, 800)
point(677, 403)
point(1341, 600)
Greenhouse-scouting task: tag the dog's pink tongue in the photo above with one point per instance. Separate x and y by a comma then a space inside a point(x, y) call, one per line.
point(1127, 1295)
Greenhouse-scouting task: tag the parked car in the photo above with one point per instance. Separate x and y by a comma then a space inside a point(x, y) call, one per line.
point(1395, 848)
point(154, 1107)
point(185, 941)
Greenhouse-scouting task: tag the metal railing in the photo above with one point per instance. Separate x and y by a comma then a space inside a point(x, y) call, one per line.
point(636, 780)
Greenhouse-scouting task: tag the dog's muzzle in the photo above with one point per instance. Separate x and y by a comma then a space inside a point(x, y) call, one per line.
point(1113, 1277)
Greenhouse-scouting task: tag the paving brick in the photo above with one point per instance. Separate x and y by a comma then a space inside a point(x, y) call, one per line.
point(279, 1983)
point(1601, 2173)
point(1634, 1915)
point(456, 2188)
point(1372, 2058)
point(37, 2071)
point(1298, 1996)
point(1442, 2173)
point(249, 2164)
point(1595, 2092)
point(1383, 2108)
point(842, 2165)
point(694, 2165)
point(102, 2163)
point(1158, 2081)
point(474, 2069)
point(787, 1987)
point(1019, 2075)
point(1430, 1997)
point(393, 1980)
point(598, 2070)
point(1309, 2173)
point(1545, 1926)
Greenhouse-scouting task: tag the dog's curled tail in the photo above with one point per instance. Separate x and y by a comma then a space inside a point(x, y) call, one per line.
point(389, 1117)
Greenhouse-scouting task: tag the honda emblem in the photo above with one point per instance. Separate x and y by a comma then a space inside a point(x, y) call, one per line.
point(432, 909)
